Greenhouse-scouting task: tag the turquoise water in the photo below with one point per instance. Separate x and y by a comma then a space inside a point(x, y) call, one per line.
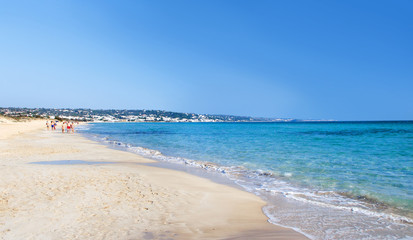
point(363, 167)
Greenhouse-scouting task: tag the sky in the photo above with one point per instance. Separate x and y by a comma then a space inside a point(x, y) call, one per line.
point(342, 60)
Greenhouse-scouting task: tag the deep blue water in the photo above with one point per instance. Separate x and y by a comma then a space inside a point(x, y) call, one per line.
point(365, 166)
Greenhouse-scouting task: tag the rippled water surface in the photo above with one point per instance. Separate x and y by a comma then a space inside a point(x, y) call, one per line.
point(333, 173)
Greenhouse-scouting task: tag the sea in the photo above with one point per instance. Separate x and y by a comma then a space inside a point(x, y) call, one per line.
point(327, 180)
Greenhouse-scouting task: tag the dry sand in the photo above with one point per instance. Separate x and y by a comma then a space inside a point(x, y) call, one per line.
point(125, 200)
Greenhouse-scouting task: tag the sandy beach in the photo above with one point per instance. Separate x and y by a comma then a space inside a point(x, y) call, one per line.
point(122, 199)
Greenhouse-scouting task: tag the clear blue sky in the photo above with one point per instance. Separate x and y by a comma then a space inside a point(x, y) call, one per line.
point(344, 60)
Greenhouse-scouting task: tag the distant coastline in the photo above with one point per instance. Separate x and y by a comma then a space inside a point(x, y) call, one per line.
point(116, 115)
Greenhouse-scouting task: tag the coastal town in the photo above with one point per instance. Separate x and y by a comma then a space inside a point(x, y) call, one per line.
point(113, 115)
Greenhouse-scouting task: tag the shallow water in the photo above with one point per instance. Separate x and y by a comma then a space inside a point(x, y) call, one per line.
point(352, 179)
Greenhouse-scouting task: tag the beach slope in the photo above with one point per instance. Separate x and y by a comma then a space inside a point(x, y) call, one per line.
point(112, 195)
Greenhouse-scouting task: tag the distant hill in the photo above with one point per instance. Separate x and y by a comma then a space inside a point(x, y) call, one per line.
point(117, 115)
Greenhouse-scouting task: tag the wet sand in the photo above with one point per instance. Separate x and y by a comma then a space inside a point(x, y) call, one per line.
point(122, 200)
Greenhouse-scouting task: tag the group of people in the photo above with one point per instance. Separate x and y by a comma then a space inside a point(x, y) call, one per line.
point(67, 126)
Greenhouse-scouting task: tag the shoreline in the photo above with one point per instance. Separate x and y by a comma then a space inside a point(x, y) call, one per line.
point(294, 212)
point(123, 200)
point(203, 169)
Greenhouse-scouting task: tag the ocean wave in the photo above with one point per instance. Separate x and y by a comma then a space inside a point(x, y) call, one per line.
point(261, 182)
point(275, 183)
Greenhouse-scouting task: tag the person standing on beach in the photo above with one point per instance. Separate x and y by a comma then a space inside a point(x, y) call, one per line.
point(63, 127)
point(47, 125)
